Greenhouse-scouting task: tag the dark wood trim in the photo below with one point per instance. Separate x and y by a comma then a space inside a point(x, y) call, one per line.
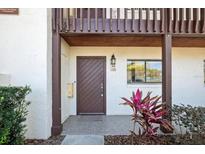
point(56, 82)
point(77, 78)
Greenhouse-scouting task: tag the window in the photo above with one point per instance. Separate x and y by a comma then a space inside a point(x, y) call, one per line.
point(144, 71)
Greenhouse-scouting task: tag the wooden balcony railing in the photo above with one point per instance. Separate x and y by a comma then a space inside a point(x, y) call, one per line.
point(129, 20)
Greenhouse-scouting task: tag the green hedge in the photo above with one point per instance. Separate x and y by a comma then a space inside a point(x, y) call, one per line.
point(13, 111)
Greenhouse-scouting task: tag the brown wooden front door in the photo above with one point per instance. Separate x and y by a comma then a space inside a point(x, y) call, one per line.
point(91, 81)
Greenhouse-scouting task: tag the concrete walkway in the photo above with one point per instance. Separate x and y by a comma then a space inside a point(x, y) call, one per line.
point(90, 130)
point(97, 125)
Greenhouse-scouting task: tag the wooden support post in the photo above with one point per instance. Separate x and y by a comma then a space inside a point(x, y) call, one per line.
point(167, 73)
point(167, 70)
point(167, 76)
point(56, 80)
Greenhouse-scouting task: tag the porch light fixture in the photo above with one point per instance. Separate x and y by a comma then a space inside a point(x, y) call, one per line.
point(113, 62)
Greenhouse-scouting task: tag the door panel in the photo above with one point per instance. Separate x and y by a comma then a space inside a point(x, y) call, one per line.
point(91, 85)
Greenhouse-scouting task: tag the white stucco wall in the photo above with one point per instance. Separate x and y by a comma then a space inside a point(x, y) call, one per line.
point(188, 76)
point(25, 54)
point(188, 84)
point(66, 105)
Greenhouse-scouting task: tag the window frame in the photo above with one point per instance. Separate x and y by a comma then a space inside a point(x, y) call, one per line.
point(145, 66)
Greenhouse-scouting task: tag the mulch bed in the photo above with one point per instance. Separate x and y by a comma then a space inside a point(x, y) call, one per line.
point(159, 140)
point(55, 140)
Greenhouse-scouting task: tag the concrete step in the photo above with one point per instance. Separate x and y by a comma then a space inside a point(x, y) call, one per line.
point(83, 140)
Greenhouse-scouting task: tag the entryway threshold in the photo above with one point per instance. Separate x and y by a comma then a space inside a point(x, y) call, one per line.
point(83, 140)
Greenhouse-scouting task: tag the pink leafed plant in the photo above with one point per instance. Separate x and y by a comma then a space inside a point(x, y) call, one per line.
point(148, 112)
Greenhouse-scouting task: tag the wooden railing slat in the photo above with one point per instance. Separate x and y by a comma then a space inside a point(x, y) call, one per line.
point(196, 19)
point(61, 19)
point(176, 16)
point(96, 19)
point(110, 19)
point(133, 20)
point(140, 20)
point(81, 19)
point(103, 20)
point(125, 19)
point(202, 10)
point(181, 17)
point(155, 19)
point(74, 18)
point(88, 19)
point(118, 19)
point(188, 19)
point(68, 20)
point(169, 14)
point(162, 20)
point(147, 19)
point(54, 17)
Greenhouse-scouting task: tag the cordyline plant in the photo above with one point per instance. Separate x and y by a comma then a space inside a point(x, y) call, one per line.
point(147, 112)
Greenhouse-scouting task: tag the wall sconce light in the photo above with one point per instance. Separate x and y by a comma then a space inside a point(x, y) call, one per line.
point(113, 62)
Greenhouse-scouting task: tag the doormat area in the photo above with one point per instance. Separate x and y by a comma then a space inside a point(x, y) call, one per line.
point(83, 140)
point(90, 118)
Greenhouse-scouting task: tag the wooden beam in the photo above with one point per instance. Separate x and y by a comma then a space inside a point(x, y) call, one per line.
point(132, 41)
point(56, 81)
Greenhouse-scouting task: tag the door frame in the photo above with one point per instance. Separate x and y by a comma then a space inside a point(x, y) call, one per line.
point(104, 76)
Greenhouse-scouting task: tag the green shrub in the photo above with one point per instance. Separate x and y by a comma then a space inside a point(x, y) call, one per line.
point(189, 117)
point(13, 111)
